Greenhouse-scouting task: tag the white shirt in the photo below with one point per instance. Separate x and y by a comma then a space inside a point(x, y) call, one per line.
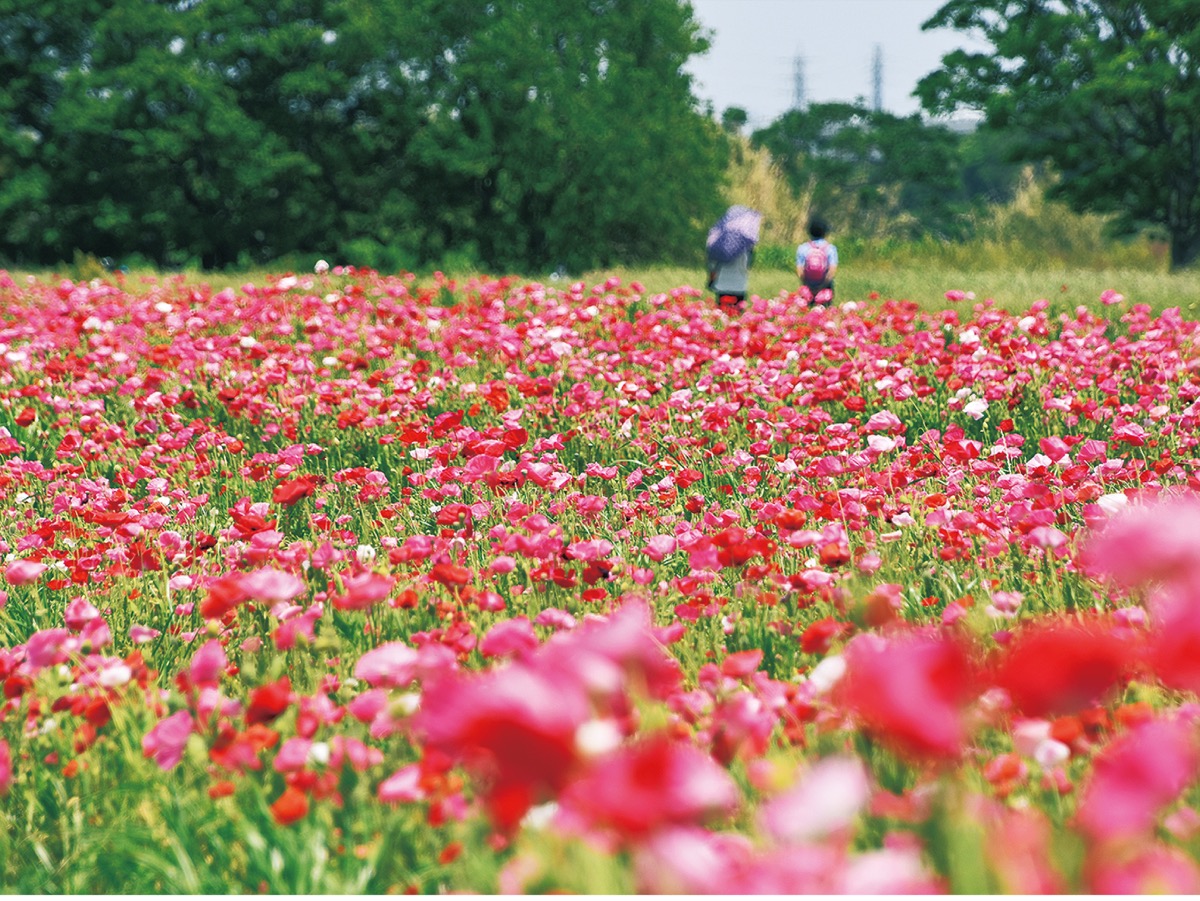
point(733, 277)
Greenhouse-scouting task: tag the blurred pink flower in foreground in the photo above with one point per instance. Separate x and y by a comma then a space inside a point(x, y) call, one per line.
point(22, 572)
point(165, 742)
point(1017, 847)
point(208, 663)
point(1155, 870)
point(391, 665)
point(910, 691)
point(509, 638)
point(1156, 542)
point(271, 585)
point(827, 799)
point(1136, 777)
point(690, 860)
point(653, 784)
point(516, 727)
point(5, 768)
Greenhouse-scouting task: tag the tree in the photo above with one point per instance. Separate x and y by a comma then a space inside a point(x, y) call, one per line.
point(513, 135)
point(734, 119)
point(870, 172)
point(143, 139)
point(567, 133)
point(1108, 91)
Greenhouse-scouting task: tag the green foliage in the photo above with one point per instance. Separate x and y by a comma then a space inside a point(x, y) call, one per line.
point(871, 172)
point(1108, 92)
point(734, 119)
point(407, 131)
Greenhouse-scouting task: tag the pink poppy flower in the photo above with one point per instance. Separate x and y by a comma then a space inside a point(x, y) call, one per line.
point(363, 590)
point(555, 619)
point(22, 572)
point(514, 728)
point(651, 785)
point(79, 613)
point(208, 663)
point(742, 664)
point(166, 741)
point(658, 546)
point(402, 787)
point(828, 798)
point(6, 773)
point(691, 860)
point(343, 749)
point(1157, 870)
point(391, 665)
point(303, 624)
point(1135, 777)
point(47, 647)
point(141, 634)
point(1017, 847)
point(627, 640)
point(1152, 542)
point(368, 705)
point(292, 754)
point(910, 690)
point(271, 585)
point(510, 638)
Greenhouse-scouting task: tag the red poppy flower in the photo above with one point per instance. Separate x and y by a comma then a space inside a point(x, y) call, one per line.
point(291, 491)
point(289, 807)
point(269, 701)
point(450, 574)
point(1058, 668)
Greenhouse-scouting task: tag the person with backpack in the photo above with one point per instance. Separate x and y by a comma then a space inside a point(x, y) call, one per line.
point(816, 263)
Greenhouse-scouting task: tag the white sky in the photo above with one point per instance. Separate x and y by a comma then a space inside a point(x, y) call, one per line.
point(754, 43)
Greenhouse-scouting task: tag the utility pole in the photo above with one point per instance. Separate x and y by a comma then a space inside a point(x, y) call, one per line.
point(877, 79)
point(799, 101)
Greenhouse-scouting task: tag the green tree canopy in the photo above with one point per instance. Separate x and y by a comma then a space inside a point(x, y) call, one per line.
point(1108, 91)
point(868, 171)
point(520, 134)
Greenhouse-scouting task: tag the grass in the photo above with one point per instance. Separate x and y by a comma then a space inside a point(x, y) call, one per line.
point(923, 275)
point(1010, 290)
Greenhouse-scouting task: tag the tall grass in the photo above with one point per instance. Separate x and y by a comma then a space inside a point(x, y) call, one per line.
point(755, 180)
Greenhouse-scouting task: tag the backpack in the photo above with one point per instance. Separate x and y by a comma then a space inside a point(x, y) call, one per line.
point(816, 265)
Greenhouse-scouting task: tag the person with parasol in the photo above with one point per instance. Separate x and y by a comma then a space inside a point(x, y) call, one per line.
point(731, 252)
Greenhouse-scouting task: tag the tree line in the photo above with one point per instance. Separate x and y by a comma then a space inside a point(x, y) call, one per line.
point(229, 132)
point(527, 135)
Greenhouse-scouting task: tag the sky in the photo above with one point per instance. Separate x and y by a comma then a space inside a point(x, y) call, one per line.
point(755, 42)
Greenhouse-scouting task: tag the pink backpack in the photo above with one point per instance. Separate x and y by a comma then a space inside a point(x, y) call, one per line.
point(816, 265)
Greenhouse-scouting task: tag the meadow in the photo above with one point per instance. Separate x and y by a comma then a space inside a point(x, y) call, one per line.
point(337, 582)
point(1008, 288)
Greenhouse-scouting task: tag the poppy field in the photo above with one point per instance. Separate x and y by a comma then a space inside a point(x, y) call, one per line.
point(340, 582)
